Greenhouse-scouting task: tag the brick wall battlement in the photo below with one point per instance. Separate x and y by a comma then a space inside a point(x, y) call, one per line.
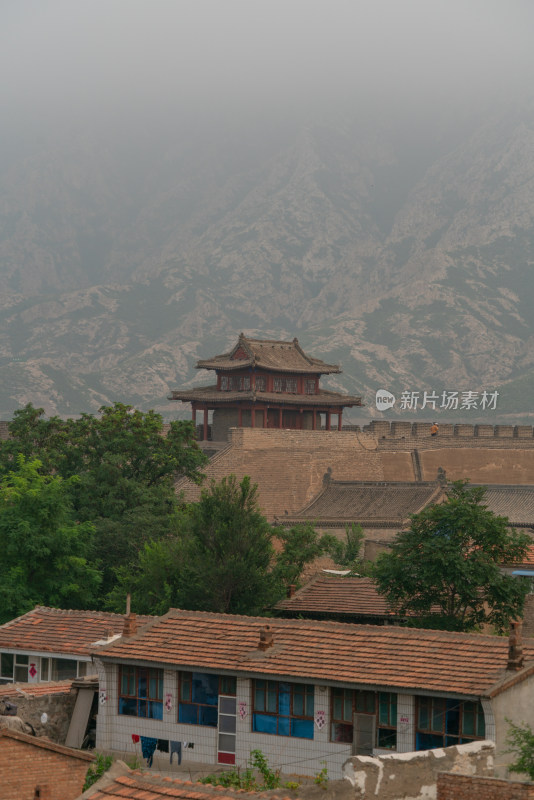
point(483, 434)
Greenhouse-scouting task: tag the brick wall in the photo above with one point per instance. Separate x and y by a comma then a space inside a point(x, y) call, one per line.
point(25, 766)
point(289, 465)
point(470, 787)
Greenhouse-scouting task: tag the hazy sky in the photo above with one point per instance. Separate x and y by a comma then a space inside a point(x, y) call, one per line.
point(65, 60)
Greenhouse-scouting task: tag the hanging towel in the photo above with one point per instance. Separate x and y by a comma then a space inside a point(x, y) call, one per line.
point(163, 745)
point(176, 747)
point(135, 738)
point(148, 745)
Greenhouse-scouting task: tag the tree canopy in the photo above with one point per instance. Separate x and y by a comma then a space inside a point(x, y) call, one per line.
point(125, 468)
point(43, 550)
point(445, 568)
point(221, 557)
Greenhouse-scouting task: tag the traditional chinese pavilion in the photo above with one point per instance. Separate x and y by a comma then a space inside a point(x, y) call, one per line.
point(266, 384)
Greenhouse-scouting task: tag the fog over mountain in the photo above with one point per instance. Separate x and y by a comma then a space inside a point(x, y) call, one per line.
point(357, 174)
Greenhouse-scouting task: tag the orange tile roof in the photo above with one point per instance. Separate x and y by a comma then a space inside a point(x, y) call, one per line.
point(55, 630)
point(143, 786)
point(35, 689)
point(331, 594)
point(381, 656)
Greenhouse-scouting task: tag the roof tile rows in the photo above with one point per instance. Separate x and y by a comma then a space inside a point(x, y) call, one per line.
point(140, 786)
point(35, 689)
point(328, 594)
point(55, 630)
point(371, 501)
point(211, 393)
point(514, 502)
point(306, 650)
point(282, 356)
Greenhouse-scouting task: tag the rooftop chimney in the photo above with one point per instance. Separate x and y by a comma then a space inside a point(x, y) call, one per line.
point(515, 646)
point(291, 590)
point(266, 638)
point(130, 620)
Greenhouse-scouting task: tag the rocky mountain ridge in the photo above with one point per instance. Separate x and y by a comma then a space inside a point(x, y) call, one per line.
point(406, 260)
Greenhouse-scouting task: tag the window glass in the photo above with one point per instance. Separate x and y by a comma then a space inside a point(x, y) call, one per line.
point(141, 690)
point(6, 665)
point(45, 665)
point(227, 684)
point(282, 708)
point(82, 668)
point(442, 723)
point(63, 669)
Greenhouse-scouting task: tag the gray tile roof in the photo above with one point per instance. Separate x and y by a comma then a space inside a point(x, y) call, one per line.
point(370, 501)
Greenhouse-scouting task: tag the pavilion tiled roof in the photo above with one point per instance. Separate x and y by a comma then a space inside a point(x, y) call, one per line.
point(275, 355)
point(514, 502)
point(329, 652)
point(331, 594)
point(370, 501)
point(210, 394)
point(55, 630)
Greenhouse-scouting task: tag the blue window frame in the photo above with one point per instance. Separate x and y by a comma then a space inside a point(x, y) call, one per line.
point(199, 696)
point(141, 692)
point(283, 709)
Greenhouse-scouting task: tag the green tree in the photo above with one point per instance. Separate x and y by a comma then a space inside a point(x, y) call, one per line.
point(43, 549)
point(220, 557)
point(126, 468)
point(347, 552)
point(449, 559)
point(520, 739)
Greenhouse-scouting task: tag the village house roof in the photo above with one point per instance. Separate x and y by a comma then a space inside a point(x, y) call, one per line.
point(210, 394)
point(273, 355)
point(56, 630)
point(333, 653)
point(377, 503)
point(11, 690)
point(121, 783)
point(348, 595)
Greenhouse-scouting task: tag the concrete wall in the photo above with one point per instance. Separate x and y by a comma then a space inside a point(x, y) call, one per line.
point(469, 787)
point(516, 704)
point(57, 707)
point(414, 775)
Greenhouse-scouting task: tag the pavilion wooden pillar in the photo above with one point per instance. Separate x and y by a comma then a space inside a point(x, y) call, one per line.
point(339, 418)
point(280, 417)
point(265, 417)
point(205, 431)
point(253, 416)
point(239, 417)
point(314, 423)
point(194, 415)
point(300, 418)
point(328, 420)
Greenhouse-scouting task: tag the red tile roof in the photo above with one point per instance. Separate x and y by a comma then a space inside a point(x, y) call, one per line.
point(330, 594)
point(35, 689)
point(381, 656)
point(55, 630)
point(142, 786)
